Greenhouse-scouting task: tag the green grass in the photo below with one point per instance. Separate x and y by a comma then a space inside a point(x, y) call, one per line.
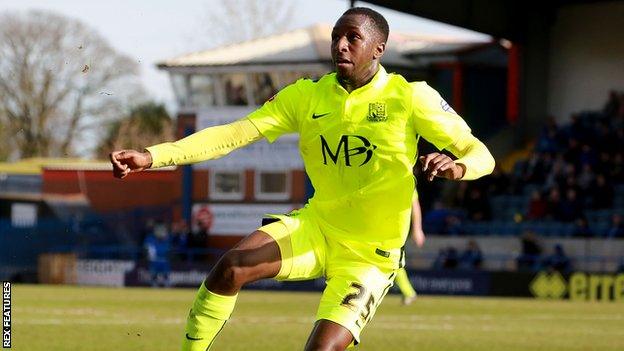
point(80, 318)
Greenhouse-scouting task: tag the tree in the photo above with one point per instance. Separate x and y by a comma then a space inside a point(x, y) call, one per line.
point(147, 124)
point(59, 80)
point(235, 21)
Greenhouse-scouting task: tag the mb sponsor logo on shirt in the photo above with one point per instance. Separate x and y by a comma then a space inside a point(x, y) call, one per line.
point(353, 147)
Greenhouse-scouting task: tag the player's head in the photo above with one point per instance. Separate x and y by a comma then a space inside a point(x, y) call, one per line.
point(358, 41)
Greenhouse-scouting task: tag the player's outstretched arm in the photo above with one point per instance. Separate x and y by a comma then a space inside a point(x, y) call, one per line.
point(207, 144)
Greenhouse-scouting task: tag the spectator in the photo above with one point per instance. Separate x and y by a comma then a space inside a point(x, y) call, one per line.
point(477, 206)
point(617, 168)
point(558, 261)
point(619, 135)
point(179, 239)
point(606, 140)
point(575, 131)
point(573, 152)
point(434, 221)
point(530, 255)
point(538, 207)
point(612, 106)
point(438, 263)
point(604, 164)
point(586, 178)
point(553, 204)
point(571, 208)
point(198, 240)
point(453, 225)
point(535, 169)
point(197, 243)
point(554, 178)
point(618, 119)
point(497, 182)
point(452, 259)
point(587, 156)
point(602, 193)
point(581, 229)
point(147, 230)
point(157, 244)
point(471, 258)
point(616, 230)
point(446, 259)
point(549, 139)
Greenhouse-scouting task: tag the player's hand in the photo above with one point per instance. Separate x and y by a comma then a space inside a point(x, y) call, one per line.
point(419, 237)
point(129, 161)
point(439, 165)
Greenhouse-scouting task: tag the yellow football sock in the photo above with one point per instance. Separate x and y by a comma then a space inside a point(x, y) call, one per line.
point(402, 281)
point(207, 317)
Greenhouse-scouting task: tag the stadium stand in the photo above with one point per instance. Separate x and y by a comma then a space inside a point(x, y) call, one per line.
point(570, 185)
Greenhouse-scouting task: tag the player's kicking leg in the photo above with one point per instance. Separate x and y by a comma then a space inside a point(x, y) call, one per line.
point(255, 257)
point(285, 251)
point(328, 335)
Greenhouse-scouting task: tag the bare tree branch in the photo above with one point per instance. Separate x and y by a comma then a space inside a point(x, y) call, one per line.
point(46, 92)
point(237, 21)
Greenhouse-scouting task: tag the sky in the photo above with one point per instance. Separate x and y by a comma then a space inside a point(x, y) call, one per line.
point(155, 30)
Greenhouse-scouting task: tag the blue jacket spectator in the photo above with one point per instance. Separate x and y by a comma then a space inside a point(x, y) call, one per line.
point(472, 257)
point(617, 227)
point(158, 246)
point(558, 261)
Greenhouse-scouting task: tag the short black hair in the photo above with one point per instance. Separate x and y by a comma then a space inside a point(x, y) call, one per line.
point(377, 18)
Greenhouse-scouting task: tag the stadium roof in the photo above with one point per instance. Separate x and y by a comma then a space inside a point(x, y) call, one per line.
point(511, 19)
point(307, 45)
point(35, 165)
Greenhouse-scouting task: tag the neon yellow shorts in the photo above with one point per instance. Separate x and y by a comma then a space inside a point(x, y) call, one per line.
point(358, 275)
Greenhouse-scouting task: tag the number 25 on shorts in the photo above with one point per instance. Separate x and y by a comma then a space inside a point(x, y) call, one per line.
point(352, 300)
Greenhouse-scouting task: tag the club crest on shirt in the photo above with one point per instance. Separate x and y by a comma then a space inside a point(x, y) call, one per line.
point(377, 112)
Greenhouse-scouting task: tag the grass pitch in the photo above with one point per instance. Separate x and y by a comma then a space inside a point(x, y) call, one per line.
point(80, 318)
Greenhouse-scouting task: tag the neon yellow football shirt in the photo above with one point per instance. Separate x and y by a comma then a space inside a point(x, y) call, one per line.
point(359, 148)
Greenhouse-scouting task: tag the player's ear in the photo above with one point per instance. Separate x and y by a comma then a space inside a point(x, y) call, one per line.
point(379, 50)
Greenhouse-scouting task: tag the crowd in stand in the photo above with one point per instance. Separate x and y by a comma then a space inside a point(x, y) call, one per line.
point(574, 170)
point(449, 258)
point(532, 258)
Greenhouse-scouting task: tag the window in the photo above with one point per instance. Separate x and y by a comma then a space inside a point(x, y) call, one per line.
point(235, 92)
point(227, 185)
point(272, 185)
point(264, 86)
point(179, 82)
point(202, 91)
